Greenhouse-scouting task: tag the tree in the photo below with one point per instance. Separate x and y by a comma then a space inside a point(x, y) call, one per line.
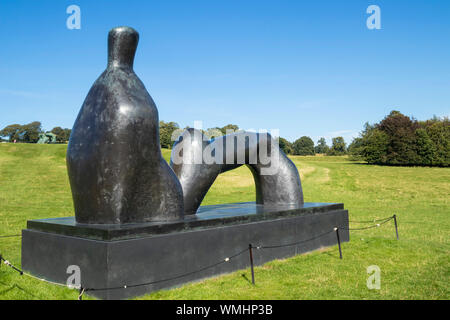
point(402, 138)
point(425, 148)
point(67, 133)
point(439, 133)
point(375, 146)
point(285, 145)
point(338, 147)
point(229, 128)
point(30, 132)
point(12, 132)
point(60, 134)
point(303, 146)
point(166, 130)
point(321, 147)
point(214, 132)
point(355, 149)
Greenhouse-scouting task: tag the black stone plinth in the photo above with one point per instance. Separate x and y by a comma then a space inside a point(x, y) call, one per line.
point(112, 256)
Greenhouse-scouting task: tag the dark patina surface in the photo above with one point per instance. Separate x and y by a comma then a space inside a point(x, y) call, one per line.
point(207, 217)
point(167, 255)
point(116, 170)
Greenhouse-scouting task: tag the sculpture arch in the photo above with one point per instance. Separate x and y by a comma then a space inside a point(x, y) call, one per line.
point(198, 161)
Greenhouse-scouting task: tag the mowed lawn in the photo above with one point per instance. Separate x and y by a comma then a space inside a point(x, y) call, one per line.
point(34, 184)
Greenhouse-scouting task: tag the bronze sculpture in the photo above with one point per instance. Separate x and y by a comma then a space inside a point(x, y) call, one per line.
point(129, 235)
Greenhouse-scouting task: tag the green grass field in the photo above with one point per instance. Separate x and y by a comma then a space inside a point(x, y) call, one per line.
point(34, 184)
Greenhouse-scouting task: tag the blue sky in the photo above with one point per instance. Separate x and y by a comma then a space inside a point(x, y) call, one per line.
point(304, 67)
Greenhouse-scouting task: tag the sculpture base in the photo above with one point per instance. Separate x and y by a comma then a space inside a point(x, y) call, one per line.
point(111, 256)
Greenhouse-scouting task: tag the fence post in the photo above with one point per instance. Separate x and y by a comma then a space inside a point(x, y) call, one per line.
point(251, 262)
point(339, 241)
point(396, 227)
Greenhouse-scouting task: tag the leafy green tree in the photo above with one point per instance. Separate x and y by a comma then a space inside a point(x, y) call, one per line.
point(375, 146)
point(229, 127)
point(285, 145)
point(30, 132)
point(338, 147)
point(321, 147)
point(355, 149)
point(60, 134)
point(166, 130)
point(303, 146)
point(402, 138)
point(425, 148)
point(67, 133)
point(218, 132)
point(12, 132)
point(214, 132)
point(439, 133)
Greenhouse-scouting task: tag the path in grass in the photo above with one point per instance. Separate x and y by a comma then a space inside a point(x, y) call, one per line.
point(33, 184)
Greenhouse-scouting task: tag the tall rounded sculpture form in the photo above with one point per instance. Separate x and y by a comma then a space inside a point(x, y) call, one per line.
point(116, 170)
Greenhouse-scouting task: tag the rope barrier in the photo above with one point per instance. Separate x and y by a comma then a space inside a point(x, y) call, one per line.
point(10, 265)
point(169, 279)
point(370, 221)
point(295, 243)
point(227, 259)
point(48, 281)
point(80, 296)
point(369, 227)
point(22, 273)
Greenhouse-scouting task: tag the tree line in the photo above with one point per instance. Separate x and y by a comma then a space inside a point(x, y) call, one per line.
point(301, 147)
point(396, 140)
point(167, 130)
point(305, 146)
point(30, 133)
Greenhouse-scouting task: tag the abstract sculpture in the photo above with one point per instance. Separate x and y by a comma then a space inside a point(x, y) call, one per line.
point(130, 235)
point(279, 186)
point(116, 170)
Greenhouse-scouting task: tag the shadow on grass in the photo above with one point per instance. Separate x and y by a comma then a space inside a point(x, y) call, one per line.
point(391, 165)
point(245, 277)
point(15, 286)
point(328, 253)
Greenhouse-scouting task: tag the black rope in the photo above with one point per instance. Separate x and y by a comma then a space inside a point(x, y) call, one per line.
point(295, 243)
point(369, 227)
point(10, 265)
point(82, 290)
point(372, 221)
point(169, 279)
